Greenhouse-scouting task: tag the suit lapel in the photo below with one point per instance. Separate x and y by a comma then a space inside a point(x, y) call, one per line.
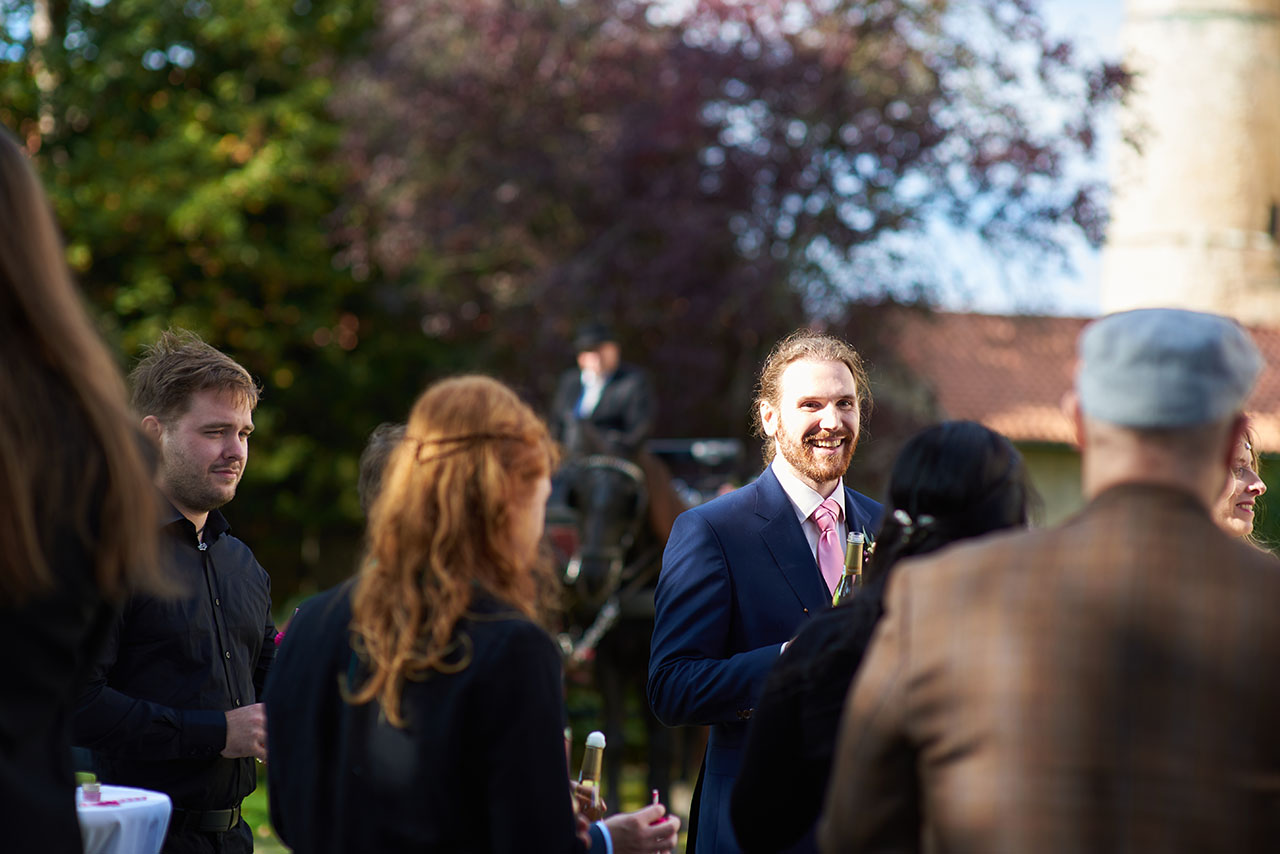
point(608, 404)
point(605, 405)
point(786, 543)
point(859, 518)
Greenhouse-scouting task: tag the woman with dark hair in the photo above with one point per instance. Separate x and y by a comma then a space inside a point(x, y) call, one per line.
point(950, 482)
point(77, 509)
point(419, 707)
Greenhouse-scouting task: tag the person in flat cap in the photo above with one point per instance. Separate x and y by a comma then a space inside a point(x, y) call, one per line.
point(1103, 685)
point(604, 406)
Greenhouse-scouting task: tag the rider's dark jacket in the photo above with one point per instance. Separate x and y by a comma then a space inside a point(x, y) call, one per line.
point(621, 421)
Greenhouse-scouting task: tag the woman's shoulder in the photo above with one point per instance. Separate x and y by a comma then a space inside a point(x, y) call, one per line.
point(495, 620)
point(326, 614)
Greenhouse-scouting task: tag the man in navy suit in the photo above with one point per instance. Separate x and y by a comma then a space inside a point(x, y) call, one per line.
point(741, 573)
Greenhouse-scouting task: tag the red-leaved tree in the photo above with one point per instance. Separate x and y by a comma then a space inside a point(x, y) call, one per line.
point(706, 176)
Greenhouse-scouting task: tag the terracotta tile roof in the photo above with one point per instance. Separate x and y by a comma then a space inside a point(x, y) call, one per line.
point(1010, 372)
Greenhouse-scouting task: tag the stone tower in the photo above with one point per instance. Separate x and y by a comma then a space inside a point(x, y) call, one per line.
point(1196, 213)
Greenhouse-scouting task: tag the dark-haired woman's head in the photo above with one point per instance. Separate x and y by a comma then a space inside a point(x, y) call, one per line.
point(950, 482)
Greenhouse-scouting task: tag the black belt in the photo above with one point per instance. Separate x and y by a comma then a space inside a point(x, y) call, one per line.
point(205, 821)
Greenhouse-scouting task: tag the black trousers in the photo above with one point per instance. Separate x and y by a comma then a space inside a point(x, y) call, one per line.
point(237, 840)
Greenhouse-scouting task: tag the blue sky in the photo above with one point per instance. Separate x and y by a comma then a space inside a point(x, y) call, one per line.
point(1094, 26)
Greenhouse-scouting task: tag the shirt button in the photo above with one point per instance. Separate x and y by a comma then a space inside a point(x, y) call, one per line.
point(217, 601)
point(237, 701)
point(227, 653)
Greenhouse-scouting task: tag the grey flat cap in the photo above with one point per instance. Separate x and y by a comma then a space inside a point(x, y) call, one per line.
point(1163, 367)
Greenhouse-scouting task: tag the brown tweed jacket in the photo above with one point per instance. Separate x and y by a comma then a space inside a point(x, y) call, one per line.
point(1112, 684)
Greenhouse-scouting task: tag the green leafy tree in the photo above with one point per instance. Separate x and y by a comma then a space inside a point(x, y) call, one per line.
point(192, 163)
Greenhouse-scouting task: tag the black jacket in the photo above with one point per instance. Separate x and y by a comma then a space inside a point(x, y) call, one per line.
point(170, 669)
point(479, 766)
point(787, 758)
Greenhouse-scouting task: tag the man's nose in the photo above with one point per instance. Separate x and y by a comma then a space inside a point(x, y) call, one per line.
point(235, 448)
point(830, 418)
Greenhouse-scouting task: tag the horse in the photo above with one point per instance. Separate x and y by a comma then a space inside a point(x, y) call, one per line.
point(610, 532)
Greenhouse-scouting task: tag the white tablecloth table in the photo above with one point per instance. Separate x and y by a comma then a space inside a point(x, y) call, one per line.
point(124, 821)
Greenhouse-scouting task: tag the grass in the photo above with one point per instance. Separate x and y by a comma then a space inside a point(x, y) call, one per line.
point(254, 809)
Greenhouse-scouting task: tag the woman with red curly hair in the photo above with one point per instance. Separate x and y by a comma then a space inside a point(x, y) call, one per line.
point(419, 706)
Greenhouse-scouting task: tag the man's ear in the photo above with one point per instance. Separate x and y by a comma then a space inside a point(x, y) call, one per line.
point(152, 427)
point(1071, 408)
point(768, 419)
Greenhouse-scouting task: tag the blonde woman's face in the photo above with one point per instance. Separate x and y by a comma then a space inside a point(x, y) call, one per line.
point(1234, 513)
point(528, 515)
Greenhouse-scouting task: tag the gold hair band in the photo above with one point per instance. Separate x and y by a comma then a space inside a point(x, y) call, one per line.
point(457, 441)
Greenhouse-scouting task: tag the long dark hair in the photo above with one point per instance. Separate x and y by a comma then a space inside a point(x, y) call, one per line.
point(66, 420)
point(951, 481)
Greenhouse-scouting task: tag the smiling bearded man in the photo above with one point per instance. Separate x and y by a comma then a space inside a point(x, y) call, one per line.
point(742, 573)
point(813, 420)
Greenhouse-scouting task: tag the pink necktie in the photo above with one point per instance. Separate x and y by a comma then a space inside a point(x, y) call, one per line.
point(830, 555)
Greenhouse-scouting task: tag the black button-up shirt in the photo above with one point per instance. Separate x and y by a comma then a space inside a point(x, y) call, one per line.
point(170, 669)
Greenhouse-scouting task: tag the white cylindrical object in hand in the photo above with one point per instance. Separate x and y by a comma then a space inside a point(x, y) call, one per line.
point(592, 761)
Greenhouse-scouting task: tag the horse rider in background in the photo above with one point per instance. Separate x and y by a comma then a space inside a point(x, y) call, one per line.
point(605, 406)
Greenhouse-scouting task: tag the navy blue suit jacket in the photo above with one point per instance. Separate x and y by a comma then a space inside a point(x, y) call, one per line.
point(738, 580)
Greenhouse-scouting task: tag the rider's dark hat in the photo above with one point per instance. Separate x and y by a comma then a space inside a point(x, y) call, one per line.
point(592, 335)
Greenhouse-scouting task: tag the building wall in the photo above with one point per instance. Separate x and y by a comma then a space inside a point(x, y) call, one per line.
point(1055, 473)
point(1194, 212)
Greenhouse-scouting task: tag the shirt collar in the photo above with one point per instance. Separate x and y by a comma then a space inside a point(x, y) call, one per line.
point(214, 526)
point(589, 380)
point(803, 498)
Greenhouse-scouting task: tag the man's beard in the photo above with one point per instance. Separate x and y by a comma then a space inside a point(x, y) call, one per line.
point(798, 452)
point(193, 489)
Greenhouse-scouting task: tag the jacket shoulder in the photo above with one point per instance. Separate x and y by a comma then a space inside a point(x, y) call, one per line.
point(494, 623)
point(730, 507)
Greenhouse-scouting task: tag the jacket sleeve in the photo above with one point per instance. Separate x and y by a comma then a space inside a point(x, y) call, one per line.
point(118, 725)
point(694, 676)
point(873, 798)
point(528, 794)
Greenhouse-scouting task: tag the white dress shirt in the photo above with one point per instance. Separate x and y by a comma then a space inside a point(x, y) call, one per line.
point(592, 386)
point(804, 500)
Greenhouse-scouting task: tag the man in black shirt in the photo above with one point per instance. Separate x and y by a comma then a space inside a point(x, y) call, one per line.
point(173, 701)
